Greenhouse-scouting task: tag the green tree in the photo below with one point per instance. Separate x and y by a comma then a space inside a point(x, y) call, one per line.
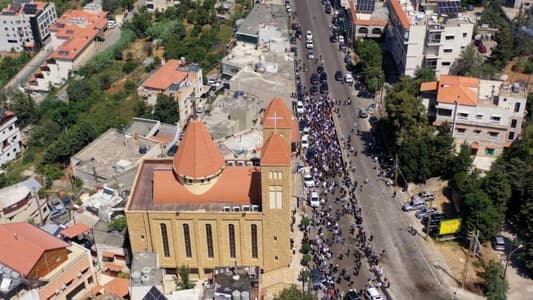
point(79, 90)
point(118, 223)
point(129, 67)
point(183, 283)
point(166, 109)
point(460, 162)
point(481, 214)
point(293, 293)
point(424, 74)
point(494, 287)
point(497, 186)
point(25, 108)
point(469, 63)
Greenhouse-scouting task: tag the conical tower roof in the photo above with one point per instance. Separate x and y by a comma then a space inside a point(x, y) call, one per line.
point(277, 115)
point(197, 155)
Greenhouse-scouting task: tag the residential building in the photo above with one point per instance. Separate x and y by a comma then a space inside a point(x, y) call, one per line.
point(74, 38)
point(433, 39)
point(37, 265)
point(176, 79)
point(483, 114)
point(523, 4)
point(160, 5)
point(368, 18)
point(20, 203)
point(10, 138)
point(114, 156)
point(191, 211)
point(25, 25)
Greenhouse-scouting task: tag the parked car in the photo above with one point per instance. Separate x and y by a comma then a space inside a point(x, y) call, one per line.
point(435, 218)
point(324, 88)
point(309, 182)
point(311, 54)
point(414, 204)
point(309, 35)
point(309, 45)
point(352, 295)
point(347, 59)
point(54, 213)
point(305, 142)
point(348, 78)
point(363, 114)
point(296, 26)
point(341, 39)
point(478, 43)
point(323, 77)
point(333, 38)
point(365, 94)
point(370, 109)
point(313, 90)
point(327, 9)
point(320, 69)
point(372, 293)
point(298, 34)
point(314, 78)
point(338, 76)
point(293, 40)
point(314, 199)
point(57, 204)
point(299, 107)
point(426, 211)
point(425, 196)
point(498, 243)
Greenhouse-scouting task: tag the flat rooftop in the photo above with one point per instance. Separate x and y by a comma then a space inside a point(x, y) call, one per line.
point(263, 15)
point(242, 279)
point(146, 263)
point(142, 127)
point(244, 144)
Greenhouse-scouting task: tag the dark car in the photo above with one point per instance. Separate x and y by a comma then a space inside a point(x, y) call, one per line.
point(338, 76)
point(333, 38)
point(314, 78)
point(347, 59)
point(296, 26)
point(320, 69)
point(363, 114)
point(324, 88)
point(350, 67)
point(298, 34)
point(365, 94)
point(352, 295)
point(478, 43)
point(323, 77)
point(313, 90)
point(327, 9)
point(293, 40)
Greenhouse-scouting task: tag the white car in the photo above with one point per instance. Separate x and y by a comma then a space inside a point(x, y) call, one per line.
point(306, 130)
point(341, 39)
point(309, 46)
point(309, 182)
point(348, 78)
point(300, 107)
point(305, 141)
point(372, 293)
point(309, 35)
point(314, 199)
point(311, 54)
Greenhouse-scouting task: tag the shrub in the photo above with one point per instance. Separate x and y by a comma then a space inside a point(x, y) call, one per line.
point(306, 259)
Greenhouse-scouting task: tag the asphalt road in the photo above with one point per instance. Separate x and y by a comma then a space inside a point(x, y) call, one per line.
point(406, 264)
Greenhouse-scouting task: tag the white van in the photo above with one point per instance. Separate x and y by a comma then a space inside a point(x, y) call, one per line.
point(314, 199)
point(111, 24)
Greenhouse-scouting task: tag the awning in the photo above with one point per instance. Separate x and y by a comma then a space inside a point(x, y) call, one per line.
point(507, 144)
point(474, 146)
point(75, 230)
point(118, 286)
point(109, 254)
point(113, 267)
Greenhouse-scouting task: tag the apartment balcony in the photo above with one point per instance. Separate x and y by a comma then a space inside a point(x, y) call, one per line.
point(434, 27)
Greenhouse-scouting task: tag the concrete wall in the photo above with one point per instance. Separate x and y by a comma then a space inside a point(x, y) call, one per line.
point(27, 212)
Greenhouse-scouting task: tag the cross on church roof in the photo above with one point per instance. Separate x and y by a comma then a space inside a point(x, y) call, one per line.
point(275, 118)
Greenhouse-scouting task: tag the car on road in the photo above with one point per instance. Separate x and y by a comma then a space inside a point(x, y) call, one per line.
point(414, 204)
point(299, 107)
point(352, 295)
point(309, 45)
point(498, 243)
point(314, 199)
point(309, 35)
point(309, 182)
point(365, 94)
point(341, 39)
point(327, 9)
point(313, 90)
point(305, 141)
point(426, 211)
point(314, 78)
point(363, 114)
point(324, 89)
point(371, 293)
point(338, 76)
point(348, 78)
point(311, 54)
point(57, 204)
point(333, 38)
point(54, 213)
point(296, 26)
point(298, 34)
point(370, 109)
point(323, 77)
point(347, 59)
point(320, 69)
point(293, 40)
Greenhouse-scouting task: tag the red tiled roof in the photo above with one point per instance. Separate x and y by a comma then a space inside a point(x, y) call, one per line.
point(236, 185)
point(75, 230)
point(463, 90)
point(428, 86)
point(507, 144)
point(22, 245)
point(277, 115)
point(113, 267)
point(165, 76)
point(276, 151)
point(118, 286)
point(398, 11)
point(197, 154)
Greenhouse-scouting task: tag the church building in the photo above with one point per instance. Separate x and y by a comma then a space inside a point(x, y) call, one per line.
point(202, 211)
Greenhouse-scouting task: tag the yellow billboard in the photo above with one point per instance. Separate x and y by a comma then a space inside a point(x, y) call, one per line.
point(449, 226)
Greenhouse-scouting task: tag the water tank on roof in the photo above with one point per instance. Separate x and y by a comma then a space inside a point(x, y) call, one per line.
point(236, 295)
point(146, 270)
point(516, 87)
point(145, 279)
point(136, 277)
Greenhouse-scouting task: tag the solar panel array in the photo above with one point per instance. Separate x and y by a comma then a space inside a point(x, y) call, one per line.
point(30, 8)
point(154, 294)
point(449, 7)
point(365, 6)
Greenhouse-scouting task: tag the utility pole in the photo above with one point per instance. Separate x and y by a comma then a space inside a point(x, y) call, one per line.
point(473, 239)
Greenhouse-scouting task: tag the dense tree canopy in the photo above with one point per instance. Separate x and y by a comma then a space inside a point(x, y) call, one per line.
point(25, 108)
point(166, 109)
point(494, 287)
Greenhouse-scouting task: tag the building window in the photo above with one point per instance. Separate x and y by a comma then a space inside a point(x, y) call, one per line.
point(275, 197)
point(448, 50)
point(209, 238)
point(511, 135)
point(513, 123)
point(495, 118)
point(90, 280)
point(164, 237)
point(444, 112)
point(493, 134)
point(450, 37)
point(460, 130)
point(254, 241)
point(477, 131)
point(465, 34)
point(489, 151)
point(479, 116)
point(187, 239)
point(446, 63)
point(462, 115)
point(231, 231)
point(517, 107)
